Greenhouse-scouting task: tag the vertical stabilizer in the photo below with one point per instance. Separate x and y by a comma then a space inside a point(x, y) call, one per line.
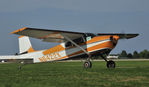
point(25, 45)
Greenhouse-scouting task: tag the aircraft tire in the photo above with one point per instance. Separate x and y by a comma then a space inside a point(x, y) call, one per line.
point(111, 64)
point(87, 64)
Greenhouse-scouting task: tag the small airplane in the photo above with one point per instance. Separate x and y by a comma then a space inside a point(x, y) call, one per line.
point(72, 45)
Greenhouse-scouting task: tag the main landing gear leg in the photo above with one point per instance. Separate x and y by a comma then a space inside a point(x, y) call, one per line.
point(21, 65)
point(88, 63)
point(110, 63)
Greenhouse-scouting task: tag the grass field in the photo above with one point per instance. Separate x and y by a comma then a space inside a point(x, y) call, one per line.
point(72, 74)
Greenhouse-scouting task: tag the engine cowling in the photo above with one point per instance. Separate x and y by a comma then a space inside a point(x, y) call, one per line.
point(114, 39)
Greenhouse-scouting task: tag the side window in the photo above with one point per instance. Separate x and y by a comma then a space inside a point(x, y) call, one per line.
point(88, 38)
point(68, 44)
point(77, 41)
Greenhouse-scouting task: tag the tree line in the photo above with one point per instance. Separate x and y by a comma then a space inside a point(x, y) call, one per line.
point(135, 54)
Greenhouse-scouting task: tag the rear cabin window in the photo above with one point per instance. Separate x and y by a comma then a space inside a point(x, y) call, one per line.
point(77, 41)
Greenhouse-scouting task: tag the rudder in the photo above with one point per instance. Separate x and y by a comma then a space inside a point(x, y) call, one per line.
point(25, 45)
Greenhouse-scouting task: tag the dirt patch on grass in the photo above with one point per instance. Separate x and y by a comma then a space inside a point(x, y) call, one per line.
point(137, 78)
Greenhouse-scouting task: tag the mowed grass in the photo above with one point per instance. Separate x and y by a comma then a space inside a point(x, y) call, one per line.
point(72, 74)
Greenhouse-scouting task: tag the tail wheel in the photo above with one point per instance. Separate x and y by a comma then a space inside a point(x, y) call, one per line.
point(111, 64)
point(87, 64)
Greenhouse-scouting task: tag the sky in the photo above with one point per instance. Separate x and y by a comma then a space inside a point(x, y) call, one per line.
point(93, 16)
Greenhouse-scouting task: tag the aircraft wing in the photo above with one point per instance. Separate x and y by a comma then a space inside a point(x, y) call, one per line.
point(48, 35)
point(121, 35)
point(58, 35)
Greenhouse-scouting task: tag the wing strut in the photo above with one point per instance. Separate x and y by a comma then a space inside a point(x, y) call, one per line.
point(75, 44)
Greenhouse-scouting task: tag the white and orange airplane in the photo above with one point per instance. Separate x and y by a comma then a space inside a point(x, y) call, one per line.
point(72, 45)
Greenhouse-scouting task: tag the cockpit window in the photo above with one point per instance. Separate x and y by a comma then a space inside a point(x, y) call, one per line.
point(68, 44)
point(89, 36)
point(86, 37)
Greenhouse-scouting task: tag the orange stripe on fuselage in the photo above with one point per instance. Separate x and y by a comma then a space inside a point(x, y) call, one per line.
point(95, 39)
point(98, 38)
point(103, 45)
point(54, 49)
point(107, 44)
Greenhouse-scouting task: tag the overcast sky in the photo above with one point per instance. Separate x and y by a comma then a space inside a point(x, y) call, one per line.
point(102, 16)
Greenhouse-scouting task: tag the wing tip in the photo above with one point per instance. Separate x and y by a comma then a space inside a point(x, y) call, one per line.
point(132, 36)
point(135, 35)
point(14, 32)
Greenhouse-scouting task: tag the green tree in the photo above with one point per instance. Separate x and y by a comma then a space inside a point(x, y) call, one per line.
point(123, 54)
point(135, 54)
point(144, 54)
point(129, 55)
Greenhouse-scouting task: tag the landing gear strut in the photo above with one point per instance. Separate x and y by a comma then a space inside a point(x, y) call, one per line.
point(21, 65)
point(88, 63)
point(110, 64)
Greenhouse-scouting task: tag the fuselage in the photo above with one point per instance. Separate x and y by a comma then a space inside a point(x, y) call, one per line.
point(93, 45)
